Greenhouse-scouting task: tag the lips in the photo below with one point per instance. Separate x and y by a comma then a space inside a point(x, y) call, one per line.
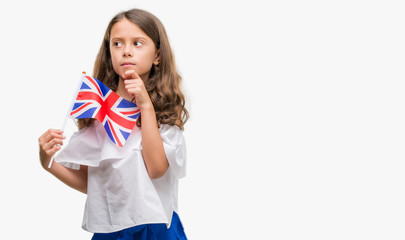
point(127, 64)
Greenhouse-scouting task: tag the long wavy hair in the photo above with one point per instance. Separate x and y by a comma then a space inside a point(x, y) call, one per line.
point(164, 81)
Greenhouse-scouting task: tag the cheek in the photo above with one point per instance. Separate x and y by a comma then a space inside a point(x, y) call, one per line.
point(147, 59)
point(114, 62)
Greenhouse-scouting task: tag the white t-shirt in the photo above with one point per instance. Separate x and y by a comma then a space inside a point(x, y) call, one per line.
point(120, 193)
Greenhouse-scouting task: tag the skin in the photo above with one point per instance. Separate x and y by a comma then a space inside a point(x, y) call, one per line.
point(132, 54)
point(49, 143)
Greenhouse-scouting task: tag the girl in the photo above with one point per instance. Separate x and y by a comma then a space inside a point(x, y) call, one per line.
point(131, 190)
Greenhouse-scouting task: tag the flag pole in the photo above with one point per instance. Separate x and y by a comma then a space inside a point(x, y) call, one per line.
point(69, 110)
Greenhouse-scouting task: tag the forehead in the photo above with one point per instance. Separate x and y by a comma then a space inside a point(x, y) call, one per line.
point(126, 29)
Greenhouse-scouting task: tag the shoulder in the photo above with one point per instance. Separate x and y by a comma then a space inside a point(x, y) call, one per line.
point(89, 135)
point(91, 127)
point(168, 129)
point(171, 133)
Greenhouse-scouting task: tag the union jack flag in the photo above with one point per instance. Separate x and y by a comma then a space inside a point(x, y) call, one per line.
point(96, 100)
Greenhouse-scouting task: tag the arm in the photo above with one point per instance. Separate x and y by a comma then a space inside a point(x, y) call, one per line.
point(152, 143)
point(49, 144)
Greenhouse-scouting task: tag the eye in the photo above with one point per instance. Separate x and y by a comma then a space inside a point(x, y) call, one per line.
point(138, 44)
point(117, 44)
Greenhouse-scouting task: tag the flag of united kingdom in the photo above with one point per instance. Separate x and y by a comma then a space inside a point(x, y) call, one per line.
point(96, 100)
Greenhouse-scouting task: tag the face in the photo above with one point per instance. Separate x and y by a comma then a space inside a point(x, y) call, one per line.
point(131, 49)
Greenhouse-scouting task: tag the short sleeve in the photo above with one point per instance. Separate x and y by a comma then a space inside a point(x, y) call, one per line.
point(71, 154)
point(73, 166)
point(175, 148)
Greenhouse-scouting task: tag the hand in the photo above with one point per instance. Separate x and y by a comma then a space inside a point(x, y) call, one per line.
point(136, 88)
point(49, 143)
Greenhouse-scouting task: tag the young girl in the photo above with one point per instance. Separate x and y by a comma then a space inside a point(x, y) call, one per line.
point(131, 190)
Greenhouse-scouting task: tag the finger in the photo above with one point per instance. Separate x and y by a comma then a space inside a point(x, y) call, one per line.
point(132, 85)
point(129, 82)
point(134, 90)
point(51, 144)
point(49, 131)
point(50, 134)
point(131, 74)
point(53, 150)
point(134, 80)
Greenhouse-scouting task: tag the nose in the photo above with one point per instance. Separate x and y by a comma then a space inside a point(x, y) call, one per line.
point(127, 51)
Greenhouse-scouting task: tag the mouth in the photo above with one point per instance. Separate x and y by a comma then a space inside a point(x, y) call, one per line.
point(127, 64)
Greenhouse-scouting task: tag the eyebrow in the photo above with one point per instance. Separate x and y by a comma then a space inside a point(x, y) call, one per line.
point(133, 38)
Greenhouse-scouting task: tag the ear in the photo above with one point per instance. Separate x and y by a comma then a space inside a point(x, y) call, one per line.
point(156, 60)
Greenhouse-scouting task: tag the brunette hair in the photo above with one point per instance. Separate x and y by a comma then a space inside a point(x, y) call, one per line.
point(164, 81)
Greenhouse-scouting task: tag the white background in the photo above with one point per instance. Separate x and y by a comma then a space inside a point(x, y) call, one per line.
point(297, 115)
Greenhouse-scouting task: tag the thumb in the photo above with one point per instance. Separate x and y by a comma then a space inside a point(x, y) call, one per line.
point(53, 150)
